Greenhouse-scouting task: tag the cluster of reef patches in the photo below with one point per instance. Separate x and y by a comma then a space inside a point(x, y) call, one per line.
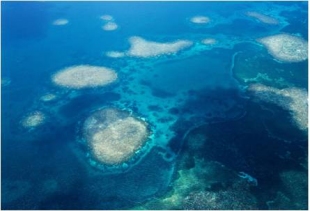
point(225, 177)
point(252, 152)
point(110, 24)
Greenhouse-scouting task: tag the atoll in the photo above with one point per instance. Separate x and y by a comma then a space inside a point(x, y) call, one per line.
point(114, 136)
point(286, 47)
point(84, 76)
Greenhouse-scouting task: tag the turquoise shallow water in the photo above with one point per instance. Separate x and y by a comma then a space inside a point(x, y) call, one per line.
point(206, 126)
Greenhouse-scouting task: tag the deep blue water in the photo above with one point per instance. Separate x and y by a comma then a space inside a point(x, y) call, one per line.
point(195, 101)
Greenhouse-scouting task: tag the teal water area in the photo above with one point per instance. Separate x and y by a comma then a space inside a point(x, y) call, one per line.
point(205, 126)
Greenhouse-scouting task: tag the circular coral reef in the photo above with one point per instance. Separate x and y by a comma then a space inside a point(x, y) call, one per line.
point(114, 136)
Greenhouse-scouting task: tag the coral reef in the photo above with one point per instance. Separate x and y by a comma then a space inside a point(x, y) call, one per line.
point(263, 18)
point(294, 100)
point(114, 136)
point(285, 47)
point(84, 76)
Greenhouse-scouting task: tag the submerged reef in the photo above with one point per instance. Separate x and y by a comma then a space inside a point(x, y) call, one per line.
point(115, 54)
point(48, 97)
point(209, 41)
point(5, 81)
point(107, 18)
point(236, 197)
point(263, 18)
point(254, 66)
point(34, 119)
point(110, 26)
point(200, 19)
point(114, 136)
point(14, 190)
point(84, 76)
point(60, 22)
point(293, 193)
point(204, 185)
point(226, 165)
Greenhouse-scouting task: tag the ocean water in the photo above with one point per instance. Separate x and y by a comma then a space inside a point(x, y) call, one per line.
point(226, 114)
